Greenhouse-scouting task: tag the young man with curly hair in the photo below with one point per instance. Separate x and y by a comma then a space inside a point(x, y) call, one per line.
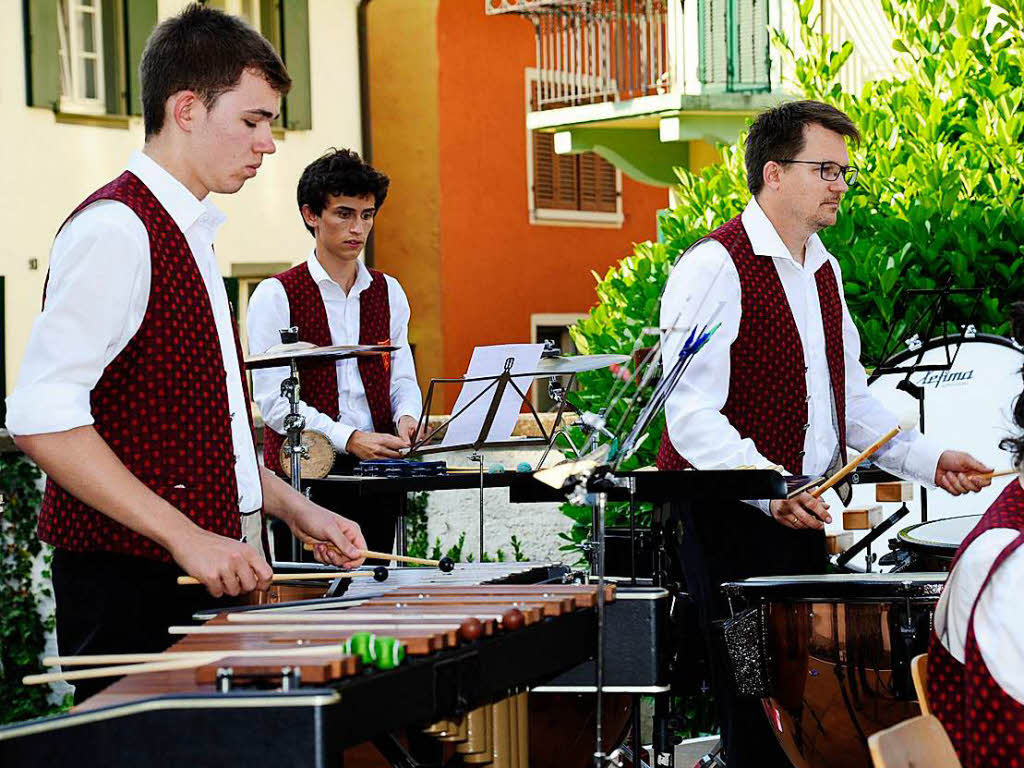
point(368, 408)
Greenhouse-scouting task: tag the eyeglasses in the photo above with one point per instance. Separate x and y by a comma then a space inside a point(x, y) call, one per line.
point(830, 171)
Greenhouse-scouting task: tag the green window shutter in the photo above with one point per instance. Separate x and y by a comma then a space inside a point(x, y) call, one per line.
point(298, 109)
point(113, 56)
point(270, 22)
point(42, 67)
point(140, 16)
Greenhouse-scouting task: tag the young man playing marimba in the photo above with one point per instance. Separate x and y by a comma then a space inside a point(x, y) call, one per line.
point(131, 397)
point(368, 408)
point(780, 383)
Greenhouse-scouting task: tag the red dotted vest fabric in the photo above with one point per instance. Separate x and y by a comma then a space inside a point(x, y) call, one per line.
point(767, 400)
point(319, 385)
point(985, 724)
point(161, 404)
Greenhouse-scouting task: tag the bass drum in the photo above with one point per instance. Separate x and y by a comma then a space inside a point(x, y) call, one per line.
point(968, 407)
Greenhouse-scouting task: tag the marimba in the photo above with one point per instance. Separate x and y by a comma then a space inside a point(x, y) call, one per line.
point(297, 682)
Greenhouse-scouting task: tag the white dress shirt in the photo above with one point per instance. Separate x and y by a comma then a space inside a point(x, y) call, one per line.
point(704, 279)
point(998, 620)
point(269, 313)
point(96, 298)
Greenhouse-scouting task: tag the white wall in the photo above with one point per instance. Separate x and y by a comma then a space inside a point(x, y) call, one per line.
point(47, 168)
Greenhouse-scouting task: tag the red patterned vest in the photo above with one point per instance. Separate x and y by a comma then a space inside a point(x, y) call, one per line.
point(162, 403)
point(767, 399)
point(985, 724)
point(319, 385)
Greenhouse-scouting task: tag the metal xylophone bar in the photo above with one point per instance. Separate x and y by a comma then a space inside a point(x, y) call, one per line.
point(463, 574)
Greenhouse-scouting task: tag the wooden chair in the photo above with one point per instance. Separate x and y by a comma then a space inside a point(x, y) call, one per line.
point(919, 671)
point(920, 742)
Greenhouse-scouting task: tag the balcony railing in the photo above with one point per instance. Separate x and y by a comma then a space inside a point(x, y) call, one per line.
point(591, 51)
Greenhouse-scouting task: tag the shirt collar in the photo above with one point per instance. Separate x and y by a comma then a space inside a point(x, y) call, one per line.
point(319, 274)
point(766, 241)
point(181, 204)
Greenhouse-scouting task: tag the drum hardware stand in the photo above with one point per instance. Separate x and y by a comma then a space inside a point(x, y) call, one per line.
point(294, 423)
point(479, 459)
point(872, 535)
point(592, 488)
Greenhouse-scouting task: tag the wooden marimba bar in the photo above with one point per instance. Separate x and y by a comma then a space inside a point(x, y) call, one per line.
point(460, 656)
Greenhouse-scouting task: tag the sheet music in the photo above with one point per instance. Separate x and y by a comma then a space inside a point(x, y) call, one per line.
point(490, 361)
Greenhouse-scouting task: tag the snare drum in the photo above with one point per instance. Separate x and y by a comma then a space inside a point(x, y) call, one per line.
point(934, 544)
point(830, 656)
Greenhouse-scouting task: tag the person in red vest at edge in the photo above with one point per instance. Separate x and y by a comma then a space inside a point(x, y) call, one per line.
point(131, 396)
point(780, 383)
point(976, 656)
point(367, 407)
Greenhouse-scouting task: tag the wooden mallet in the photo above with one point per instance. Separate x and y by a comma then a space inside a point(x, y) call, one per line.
point(906, 423)
point(446, 564)
point(380, 573)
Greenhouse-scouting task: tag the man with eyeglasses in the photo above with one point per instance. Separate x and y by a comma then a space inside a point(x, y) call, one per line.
point(780, 384)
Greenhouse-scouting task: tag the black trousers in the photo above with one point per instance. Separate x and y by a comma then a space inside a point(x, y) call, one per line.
point(110, 603)
point(726, 542)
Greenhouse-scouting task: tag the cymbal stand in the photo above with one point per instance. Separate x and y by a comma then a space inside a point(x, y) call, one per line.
point(294, 423)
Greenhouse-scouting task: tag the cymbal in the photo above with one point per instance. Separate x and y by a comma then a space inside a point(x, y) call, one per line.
point(556, 366)
point(306, 354)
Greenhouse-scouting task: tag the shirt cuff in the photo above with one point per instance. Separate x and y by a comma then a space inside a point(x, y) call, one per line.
point(922, 460)
point(763, 504)
point(45, 408)
point(411, 408)
point(340, 434)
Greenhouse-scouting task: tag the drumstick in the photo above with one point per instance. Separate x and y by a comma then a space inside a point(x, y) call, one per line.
point(121, 669)
point(137, 658)
point(906, 423)
point(446, 564)
point(176, 661)
point(379, 573)
point(1000, 473)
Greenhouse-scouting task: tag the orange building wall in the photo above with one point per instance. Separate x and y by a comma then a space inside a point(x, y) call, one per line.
point(497, 268)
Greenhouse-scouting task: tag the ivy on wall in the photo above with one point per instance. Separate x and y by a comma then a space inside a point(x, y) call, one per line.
point(22, 630)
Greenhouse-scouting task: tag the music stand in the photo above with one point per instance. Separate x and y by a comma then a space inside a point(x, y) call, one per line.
point(933, 314)
point(496, 387)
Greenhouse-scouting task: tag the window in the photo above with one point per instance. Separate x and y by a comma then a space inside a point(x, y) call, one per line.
point(80, 35)
point(553, 328)
point(82, 56)
point(245, 276)
point(285, 23)
point(575, 189)
point(245, 9)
